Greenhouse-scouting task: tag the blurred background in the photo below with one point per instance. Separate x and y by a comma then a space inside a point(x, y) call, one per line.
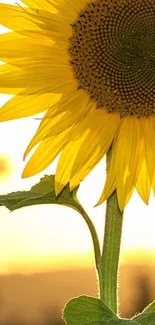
point(46, 254)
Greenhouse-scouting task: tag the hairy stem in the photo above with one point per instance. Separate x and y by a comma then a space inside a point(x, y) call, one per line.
point(108, 266)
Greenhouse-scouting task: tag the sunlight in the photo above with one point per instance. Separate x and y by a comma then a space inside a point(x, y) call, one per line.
point(54, 237)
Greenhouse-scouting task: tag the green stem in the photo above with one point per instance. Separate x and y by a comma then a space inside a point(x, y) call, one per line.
point(94, 236)
point(108, 266)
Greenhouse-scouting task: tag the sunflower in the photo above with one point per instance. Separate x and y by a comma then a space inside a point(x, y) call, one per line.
point(90, 66)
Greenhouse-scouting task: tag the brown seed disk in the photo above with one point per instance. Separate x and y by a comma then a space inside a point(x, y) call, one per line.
point(113, 55)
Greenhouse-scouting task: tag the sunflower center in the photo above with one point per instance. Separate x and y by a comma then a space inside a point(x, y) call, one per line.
point(112, 53)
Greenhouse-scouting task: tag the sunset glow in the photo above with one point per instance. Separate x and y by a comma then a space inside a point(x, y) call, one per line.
point(53, 237)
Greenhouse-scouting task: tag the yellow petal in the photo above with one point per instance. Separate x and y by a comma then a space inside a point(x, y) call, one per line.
point(23, 19)
point(149, 146)
point(143, 185)
point(66, 161)
point(13, 46)
point(6, 37)
point(55, 23)
point(110, 183)
point(81, 137)
point(46, 152)
point(10, 91)
point(62, 115)
point(101, 128)
point(70, 9)
point(36, 76)
point(17, 18)
point(68, 156)
point(23, 106)
point(35, 73)
point(128, 158)
point(153, 184)
point(4, 68)
point(40, 4)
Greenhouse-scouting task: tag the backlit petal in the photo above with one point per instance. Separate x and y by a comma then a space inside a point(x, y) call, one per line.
point(46, 152)
point(149, 146)
point(101, 128)
point(110, 183)
point(62, 115)
point(23, 106)
point(128, 158)
point(143, 185)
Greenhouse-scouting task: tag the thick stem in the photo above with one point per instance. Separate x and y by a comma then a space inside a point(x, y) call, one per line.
point(108, 266)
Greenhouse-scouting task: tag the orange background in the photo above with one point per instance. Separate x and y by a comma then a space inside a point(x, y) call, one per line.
point(46, 254)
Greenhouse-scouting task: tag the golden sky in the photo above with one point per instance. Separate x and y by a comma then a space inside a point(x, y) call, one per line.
point(54, 237)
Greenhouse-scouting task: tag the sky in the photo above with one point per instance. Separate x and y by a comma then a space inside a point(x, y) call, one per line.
point(52, 237)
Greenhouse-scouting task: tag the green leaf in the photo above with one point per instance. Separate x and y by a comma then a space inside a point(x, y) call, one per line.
point(41, 193)
point(44, 193)
point(150, 308)
point(145, 319)
point(123, 322)
point(87, 310)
